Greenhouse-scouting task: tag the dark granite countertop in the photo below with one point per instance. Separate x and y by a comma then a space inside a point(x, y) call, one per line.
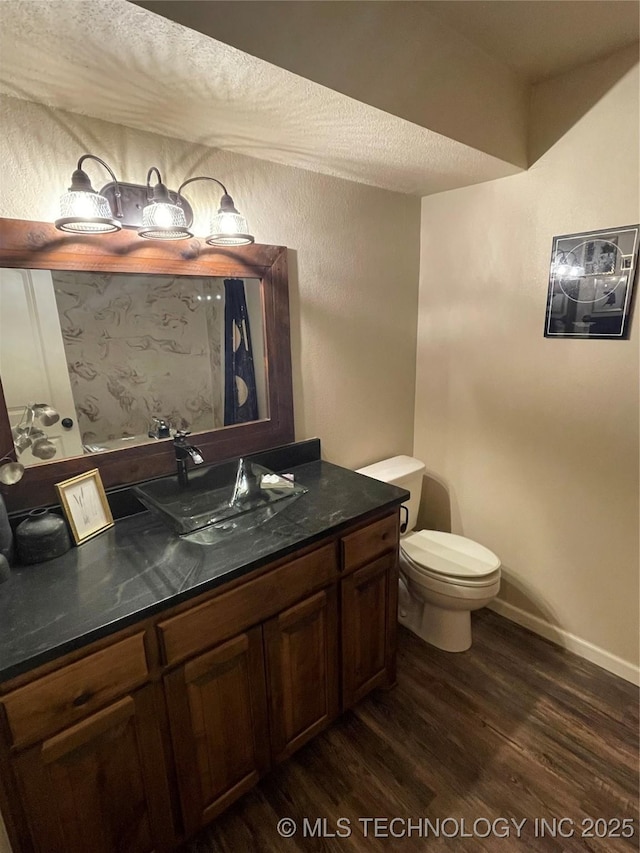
point(139, 568)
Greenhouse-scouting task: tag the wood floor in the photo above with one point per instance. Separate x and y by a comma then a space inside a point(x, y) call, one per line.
point(515, 728)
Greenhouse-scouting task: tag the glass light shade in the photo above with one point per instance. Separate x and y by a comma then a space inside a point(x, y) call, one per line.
point(21, 442)
point(229, 228)
point(43, 449)
point(84, 212)
point(565, 265)
point(46, 414)
point(11, 473)
point(568, 270)
point(164, 221)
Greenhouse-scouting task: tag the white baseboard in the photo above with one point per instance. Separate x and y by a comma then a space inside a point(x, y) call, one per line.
point(563, 638)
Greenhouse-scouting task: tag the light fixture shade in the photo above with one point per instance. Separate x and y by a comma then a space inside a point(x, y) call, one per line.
point(164, 221)
point(46, 414)
point(11, 472)
point(229, 228)
point(86, 212)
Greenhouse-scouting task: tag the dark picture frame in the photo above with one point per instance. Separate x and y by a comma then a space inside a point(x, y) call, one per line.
point(591, 284)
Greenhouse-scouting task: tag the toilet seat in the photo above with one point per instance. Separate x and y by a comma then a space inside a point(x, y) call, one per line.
point(450, 586)
point(449, 558)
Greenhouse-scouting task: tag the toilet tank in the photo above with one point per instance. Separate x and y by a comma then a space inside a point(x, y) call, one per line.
point(403, 471)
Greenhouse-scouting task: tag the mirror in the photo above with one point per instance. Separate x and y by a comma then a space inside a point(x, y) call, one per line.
point(127, 359)
point(127, 342)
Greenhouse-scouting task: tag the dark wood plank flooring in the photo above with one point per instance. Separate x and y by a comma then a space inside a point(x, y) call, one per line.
point(515, 728)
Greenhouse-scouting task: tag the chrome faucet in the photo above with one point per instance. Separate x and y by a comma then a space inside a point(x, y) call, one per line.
point(183, 452)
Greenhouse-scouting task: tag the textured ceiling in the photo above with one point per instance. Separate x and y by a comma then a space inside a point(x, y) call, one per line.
point(543, 38)
point(115, 61)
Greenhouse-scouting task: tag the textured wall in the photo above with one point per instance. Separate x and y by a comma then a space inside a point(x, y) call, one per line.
point(531, 444)
point(353, 262)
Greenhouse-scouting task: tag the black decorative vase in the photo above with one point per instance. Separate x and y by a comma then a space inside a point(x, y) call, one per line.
point(6, 534)
point(42, 536)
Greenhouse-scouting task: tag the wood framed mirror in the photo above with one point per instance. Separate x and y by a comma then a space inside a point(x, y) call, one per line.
point(117, 268)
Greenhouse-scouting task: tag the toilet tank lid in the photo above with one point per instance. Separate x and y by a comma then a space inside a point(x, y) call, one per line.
point(392, 469)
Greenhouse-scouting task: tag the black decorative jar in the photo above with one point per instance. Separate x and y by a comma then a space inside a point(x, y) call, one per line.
point(42, 536)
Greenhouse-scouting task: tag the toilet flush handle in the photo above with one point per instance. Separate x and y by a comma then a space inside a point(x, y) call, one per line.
point(404, 524)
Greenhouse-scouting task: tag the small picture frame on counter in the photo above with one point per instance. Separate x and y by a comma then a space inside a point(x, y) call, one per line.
point(85, 505)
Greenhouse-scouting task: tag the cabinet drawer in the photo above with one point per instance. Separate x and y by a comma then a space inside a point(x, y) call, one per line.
point(370, 542)
point(232, 612)
point(53, 702)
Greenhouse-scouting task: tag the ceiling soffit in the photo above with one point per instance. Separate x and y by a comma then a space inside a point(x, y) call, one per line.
point(112, 60)
point(395, 56)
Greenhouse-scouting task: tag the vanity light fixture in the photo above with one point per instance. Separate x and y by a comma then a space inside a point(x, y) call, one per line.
point(28, 434)
point(228, 226)
point(85, 211)
point(155, 212)
point(161, 218)
point(25, 434)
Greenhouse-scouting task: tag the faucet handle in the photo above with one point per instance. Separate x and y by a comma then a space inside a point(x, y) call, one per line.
point(180, 435)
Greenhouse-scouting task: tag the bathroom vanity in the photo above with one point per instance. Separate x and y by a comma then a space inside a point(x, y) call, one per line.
point(149, 680)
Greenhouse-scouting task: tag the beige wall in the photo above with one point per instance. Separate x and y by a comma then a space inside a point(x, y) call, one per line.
point(353, 263)
point(532, 444)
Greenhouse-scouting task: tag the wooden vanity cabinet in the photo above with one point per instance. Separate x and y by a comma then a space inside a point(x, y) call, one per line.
point(237, 707)
point(217, 706)
point(301, 646)
point(100, 785)
point(369, 602)
point(181, 716)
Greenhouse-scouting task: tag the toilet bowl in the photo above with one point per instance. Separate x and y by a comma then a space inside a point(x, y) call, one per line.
point(443, 576)
point(446, 577)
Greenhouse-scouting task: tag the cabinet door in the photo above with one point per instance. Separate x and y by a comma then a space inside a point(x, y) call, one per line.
point(218, 718)
point(302, 661)
point(369, 597)
point(100, 785)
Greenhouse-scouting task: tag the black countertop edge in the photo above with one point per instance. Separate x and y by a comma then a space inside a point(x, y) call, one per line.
point(34, 661)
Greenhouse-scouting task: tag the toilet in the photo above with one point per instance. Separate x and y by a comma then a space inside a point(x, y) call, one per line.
point(443, 577)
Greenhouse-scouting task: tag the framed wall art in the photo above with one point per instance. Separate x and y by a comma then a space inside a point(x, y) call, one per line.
point(591, 281)
point(85, 505)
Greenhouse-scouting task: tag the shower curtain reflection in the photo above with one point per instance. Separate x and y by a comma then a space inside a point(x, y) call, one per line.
point(240, 397)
